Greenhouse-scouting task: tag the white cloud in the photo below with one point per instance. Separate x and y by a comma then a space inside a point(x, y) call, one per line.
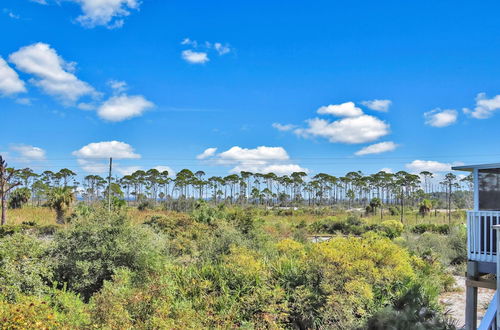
point(195, 57)
point(221, 49)
point(259, 155)
point(387, 170)
point(92, 166)
point(11, 14)
point(209, 152)
point(187, 41)
point(262, 159)
point(484, 107)
point(378, 105)
point(10, 83)
point(352, 130)
point(53, 74)
point(432, 166)
point(441, 118)
point(126, 170)
point(119, 108)
point(278, 169)
point(41, 2)
point(163, 168)
point(377, 148)
point(106, 149)
point(109, 13)
point(284, 128)
point(118, 86)
point(347, 109)
point(29, 153)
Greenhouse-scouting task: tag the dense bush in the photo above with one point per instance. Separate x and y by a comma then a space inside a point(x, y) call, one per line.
point(19, 197)
point(414, 310)
point(23, 266)
point(215, 268)
point(93, 249)
point(449, 249)
point(431, 227)
point(355, 226)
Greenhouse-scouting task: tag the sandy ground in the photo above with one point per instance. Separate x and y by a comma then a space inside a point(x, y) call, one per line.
point(455, 302)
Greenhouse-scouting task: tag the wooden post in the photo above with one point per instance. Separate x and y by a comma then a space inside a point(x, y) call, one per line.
point(471, 297)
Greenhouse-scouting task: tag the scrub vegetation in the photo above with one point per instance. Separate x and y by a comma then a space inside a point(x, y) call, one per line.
point(90, 259)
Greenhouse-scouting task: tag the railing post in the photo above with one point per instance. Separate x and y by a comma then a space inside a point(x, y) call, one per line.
point(497, 228)
point(471, 297)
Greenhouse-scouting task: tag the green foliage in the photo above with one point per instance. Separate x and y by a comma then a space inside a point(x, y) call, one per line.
point(355, 226)
point(93, 249)
point(217, 268)
point(431, 227)
point(60, 199)
point(19, 197)
point(449, 249)
point(145, 205)
point(392, 228)
point(393, 211)
point(23, 266)
point(414, 310)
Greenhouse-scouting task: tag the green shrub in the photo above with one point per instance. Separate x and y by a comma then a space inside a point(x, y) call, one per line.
point(24, 268)
point(393, 211)
point(414, 310)
point(91, 250)
point(392, 228)
point(430, 227)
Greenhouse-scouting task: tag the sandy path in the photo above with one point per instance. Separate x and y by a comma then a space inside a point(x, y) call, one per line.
point(455, 302)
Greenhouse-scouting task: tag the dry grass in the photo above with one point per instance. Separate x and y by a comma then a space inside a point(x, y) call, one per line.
point(40, 215)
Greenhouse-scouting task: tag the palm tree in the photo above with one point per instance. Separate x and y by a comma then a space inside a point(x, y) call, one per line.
point(60, 200)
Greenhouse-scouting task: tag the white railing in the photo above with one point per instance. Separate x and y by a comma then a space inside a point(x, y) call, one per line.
point(481, 238)
point(489, 321)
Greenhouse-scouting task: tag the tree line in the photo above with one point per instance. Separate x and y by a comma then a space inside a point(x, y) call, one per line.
point(177, 191)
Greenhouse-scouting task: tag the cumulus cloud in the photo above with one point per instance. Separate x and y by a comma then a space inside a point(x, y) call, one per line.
point(195, 57)
point(377, 148)
point(378, 105)
point(41, 2)
point(387, 170)
point(351, 130)
point(53, 74)
point(485, 107)
point(432, 166)
point(10, 83)
point(284, 128)
point(123, 107)
point(106, 149)
point(262, 159)
point(441, 118)
point(207, 153)
point(347, 109)
point(28, 153)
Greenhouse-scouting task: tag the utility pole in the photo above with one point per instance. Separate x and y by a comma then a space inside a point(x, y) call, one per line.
point(109, 183)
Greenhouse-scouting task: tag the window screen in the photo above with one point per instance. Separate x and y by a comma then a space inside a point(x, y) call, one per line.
point(489, 189)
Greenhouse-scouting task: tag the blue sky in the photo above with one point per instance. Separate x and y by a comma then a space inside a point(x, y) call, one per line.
point(165, 80)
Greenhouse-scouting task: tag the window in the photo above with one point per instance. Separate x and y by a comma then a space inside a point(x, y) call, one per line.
point(489, 189)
